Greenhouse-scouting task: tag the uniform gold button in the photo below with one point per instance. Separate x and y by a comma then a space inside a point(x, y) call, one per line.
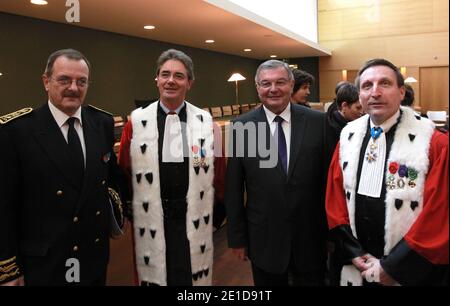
point(59, 193)
point(97, 213)
point(97, 240)
point(75, 219)
point(75, 248)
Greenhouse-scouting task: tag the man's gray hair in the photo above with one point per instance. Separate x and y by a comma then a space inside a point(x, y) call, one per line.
point(273, 64)
point(179, 56)
point(70, 54)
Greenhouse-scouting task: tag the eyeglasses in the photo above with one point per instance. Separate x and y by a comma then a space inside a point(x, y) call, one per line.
point(66, 81)
point(278, 83)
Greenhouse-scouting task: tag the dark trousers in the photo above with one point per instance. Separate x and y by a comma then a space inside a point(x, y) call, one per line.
point(291, 277)
point(178, 258)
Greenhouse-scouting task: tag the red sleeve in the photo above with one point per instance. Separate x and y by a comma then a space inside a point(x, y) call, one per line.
point(124, 150)
point(335, 204)
point(125, 163)
point(219, 177)
point(220, 164)
point(429, 234)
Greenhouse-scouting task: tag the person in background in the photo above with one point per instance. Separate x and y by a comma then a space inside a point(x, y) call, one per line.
point(302, 85)
point(58, 181)
point(408, 100)
point(345, 108)
point(387, 191)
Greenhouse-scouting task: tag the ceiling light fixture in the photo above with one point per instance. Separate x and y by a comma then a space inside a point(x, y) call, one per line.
point(39, 2)
point(209, 41)
point(273, 56)
point(247, 50)
point(149, 27)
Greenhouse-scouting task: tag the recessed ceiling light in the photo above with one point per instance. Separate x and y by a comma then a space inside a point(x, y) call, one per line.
point(209, 41)
point(39, 2)
point(247, 50)
point(273, 56)
point(1, 74)
point(149, 27)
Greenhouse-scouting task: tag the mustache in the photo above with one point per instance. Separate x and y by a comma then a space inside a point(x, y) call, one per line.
point(71, 94)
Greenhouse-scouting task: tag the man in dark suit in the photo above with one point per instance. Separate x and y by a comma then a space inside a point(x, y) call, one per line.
point(57, 177)
point(282, 225)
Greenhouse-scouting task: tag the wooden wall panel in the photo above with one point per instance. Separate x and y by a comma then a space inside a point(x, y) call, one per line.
point(383, 18)
point(434, 88)
point(422, 50)
point(328, 81)
point(411, 33)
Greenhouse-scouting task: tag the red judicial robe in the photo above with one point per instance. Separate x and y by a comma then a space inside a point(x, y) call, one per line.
point(428, 235)
point(219, 170)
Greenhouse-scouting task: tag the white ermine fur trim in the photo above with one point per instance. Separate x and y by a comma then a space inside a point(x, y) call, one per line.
point(350, 276)
point(410, 148)
point(150, 222)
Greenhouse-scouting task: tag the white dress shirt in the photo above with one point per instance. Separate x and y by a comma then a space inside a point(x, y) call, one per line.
point(61, 120)
point(286, 125)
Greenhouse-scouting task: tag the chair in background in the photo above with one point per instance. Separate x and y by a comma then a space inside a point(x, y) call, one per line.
point(244, 108)
point(236, 109)
point(252, 105)
point(438, 117)
point(216, 112)
point(206, 109)
point(326, 106)
point(119, 124)
point(316, 105)
point(226, 110)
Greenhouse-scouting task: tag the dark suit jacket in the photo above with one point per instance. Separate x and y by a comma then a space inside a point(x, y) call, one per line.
point(45, 219)
point(284, 215)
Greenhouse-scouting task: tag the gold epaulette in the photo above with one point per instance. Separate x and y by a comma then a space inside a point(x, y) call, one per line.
point(118, 207)
point(101, 110)
point(9, 269)
point(9, 117)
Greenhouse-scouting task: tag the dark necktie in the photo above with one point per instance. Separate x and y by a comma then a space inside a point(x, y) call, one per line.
point(75, 149)
point(282, 148)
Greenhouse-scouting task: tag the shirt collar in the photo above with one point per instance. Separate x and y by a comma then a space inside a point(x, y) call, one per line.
point(166, 110)
point(386, 125)
point(286, 114)
point(60, 117)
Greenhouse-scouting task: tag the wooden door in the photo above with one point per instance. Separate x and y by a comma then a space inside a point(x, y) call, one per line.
point(434, 89)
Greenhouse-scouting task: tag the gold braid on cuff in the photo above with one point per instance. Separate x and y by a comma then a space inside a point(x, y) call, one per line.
point(8, 269)
point(116, 199)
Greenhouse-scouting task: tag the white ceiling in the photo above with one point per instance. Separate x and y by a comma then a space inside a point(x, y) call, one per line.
point(184, 22)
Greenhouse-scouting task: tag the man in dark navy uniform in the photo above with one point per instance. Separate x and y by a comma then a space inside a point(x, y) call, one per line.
point(59, 184)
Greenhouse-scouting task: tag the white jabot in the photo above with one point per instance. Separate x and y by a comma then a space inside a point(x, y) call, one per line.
point(172, 150)
point(61, 121)
point(286, 125)
point(372, 173)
